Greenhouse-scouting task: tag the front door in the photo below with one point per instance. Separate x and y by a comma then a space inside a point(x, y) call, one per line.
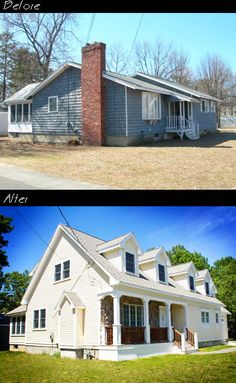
point(162, 316)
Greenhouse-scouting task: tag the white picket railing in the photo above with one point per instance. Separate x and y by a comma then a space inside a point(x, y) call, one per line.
point(181, 125)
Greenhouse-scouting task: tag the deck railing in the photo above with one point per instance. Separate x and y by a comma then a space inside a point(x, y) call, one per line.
point(177, 123)
point(109, 335)
point(132, 335)
point(190, 336)
point(177, 337)
point(159, 334)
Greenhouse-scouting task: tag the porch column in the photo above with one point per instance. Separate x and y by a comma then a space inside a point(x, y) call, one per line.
point(116, 319)
point(186, 316)
point(146, 320)
point(168, 315)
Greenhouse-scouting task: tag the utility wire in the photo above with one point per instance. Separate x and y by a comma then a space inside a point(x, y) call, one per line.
point(136, 34)
point(90, 27)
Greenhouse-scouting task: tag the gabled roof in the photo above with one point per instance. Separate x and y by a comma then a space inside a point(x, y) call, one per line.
point(178, 86)
point(225, 311)
point(137, 84)
point(201, 274)
point(88, 244)
point(23, 93)
point(180, 269)
point(117, 242)
point(73, 298)
point(149, 255)
point(18, 310)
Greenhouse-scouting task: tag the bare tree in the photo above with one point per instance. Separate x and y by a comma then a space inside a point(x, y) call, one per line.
point(116, 58)
point(45, 34)
point(7, 48)
point(161, 60)
point(217, 79)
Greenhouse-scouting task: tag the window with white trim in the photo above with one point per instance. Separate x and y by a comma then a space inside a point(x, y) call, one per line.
point(18, 325)
point(130, 262)
point(217, 317)
point(207, 288)
point(21, 113)
point(204, 106)
point(151, 106)
point(133, 315)
point(39, 319)
point(213, 106)
point(191, 283)
point(162, 274)
point(205, 316)
point(53, 104)
point(62, 271)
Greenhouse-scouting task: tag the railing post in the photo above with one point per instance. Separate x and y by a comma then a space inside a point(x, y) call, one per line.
point(195, 341)
point(183, 341)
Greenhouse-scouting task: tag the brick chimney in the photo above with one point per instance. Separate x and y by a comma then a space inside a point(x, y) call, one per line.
point(92, 88)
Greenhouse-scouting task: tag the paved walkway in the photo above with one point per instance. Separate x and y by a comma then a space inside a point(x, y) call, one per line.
point(16, 178)
point(223, 351)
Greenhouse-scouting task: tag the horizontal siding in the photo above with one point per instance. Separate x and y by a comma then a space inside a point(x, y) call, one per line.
point(67, 325)
point(205, 120)
point(114, 109)
point(67, 87)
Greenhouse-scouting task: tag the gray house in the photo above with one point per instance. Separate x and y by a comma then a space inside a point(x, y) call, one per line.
point(104, 108)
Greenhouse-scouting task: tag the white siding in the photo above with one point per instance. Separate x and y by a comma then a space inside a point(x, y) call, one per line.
point(211, 331)
point(149, 269)
point(67, 325)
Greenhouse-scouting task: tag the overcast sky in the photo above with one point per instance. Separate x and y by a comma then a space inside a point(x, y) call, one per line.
point(209, 230)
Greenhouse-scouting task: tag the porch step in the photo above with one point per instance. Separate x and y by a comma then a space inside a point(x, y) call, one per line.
point(192, 135)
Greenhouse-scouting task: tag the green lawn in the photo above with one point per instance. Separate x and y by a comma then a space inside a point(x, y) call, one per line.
point(25, 368)
point(214, 348)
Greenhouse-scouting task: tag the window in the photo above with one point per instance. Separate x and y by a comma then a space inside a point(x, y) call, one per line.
point(213, 106)
point(130, 262)
point(151, 106)
point(204, 106)
point(207, 288)
point(191, 283)
point(18, 113)
point(62, 271)
point(18, 326)
point(53, 104)
point(39, 319)
point(57, 275)
point(26, 112)
point(13, 113)
point(205, 317)
point(133, 315)
point(217, 318)
point(66, 269)
point(162, 276)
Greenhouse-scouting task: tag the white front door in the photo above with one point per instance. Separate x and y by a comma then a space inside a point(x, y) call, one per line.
point(162, 316)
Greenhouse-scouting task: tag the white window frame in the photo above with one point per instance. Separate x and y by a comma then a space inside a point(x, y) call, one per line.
point(39, 319)
point(217, 313)
point(136, 317)
point(204, 316)
point(22, 114)
point(15, 318)
point(206, 106)
point(49, 98)
point(62, 271)
point(164, 272)
point(147, 112)
point(127, 271)
point(209, 292)
point(213, 106)
point(194, 282)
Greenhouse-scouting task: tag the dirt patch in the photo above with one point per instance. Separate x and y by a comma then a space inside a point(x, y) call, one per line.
point(209, 163)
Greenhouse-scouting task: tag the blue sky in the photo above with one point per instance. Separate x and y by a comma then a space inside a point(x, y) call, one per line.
point(209, 230)
point(195, 33)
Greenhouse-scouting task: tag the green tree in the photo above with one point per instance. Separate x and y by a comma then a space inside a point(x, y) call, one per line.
point(25, 69)
point(178, 254)
point(14, 286)
point(223, 273)
point(5, 228)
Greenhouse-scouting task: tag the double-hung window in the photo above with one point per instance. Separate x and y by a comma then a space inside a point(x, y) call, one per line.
point(217, 317)
point(191, 283)
point(151, 106)
point(162, 276)
point(39, 319)
point(130, 263)
point(21, 113)
point(18, 325)
point(205, 106)
point(62, 271)
point(207, 288)
point(205, 317)
point(53, 104)
point(213, 106)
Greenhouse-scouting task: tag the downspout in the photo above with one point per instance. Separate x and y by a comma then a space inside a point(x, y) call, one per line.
point(126, 114)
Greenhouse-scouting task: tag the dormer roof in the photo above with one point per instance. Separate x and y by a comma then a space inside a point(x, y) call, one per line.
point(202, 274)
point(118, 242)
point(183, 268)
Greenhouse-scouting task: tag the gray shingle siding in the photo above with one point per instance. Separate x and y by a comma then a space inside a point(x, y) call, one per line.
point(205, 120)
point(67, 87)
point(115, 121)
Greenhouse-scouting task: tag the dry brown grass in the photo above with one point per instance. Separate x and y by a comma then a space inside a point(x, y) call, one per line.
point(209, 163)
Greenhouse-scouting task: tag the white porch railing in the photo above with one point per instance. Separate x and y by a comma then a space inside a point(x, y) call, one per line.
point(181, 125)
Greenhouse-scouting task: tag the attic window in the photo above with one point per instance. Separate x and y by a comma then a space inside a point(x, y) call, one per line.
point(191, 283)
point(129, 258)
point(162, 276)
point(62, 271)
point(207, 288)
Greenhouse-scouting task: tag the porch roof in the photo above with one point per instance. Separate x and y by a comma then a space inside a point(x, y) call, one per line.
point(90, 243)
point(22, 94)
point(18, 310)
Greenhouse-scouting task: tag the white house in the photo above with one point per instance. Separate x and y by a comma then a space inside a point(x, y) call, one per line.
point(109, 300)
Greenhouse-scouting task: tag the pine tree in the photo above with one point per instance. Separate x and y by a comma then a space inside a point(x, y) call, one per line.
point(7, 47)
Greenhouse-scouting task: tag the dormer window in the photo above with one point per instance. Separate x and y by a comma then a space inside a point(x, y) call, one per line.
point(129, 261)
point(162, 275)
point(191, 283)
point(207, 288)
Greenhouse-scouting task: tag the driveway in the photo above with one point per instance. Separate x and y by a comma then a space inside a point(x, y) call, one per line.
point(17, 178)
